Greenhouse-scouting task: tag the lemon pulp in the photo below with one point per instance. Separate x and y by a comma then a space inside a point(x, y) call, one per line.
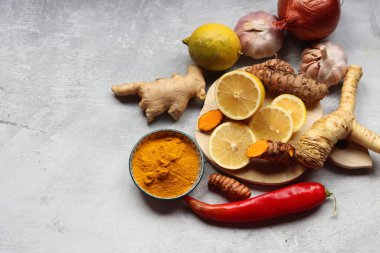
point(239, 94)
point(229, 143)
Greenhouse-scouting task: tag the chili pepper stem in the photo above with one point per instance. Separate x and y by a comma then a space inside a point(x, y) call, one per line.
point(328, 194)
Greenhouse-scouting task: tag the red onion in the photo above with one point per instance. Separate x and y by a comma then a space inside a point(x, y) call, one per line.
point(308, 19)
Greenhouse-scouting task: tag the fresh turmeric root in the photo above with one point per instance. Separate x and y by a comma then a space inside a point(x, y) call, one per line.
point(278, 77)
point(273, 151)
point(166, 94)
point(209, 120)
point(273, 64)
point(316, 143)
point(229, 186)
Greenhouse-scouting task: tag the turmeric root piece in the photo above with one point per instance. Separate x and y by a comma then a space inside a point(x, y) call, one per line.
point(229, 186)
point(273, 151)
point(166, 94)
point(209, 120)
point(273, 64)
point(316, 143)
point(280, 79)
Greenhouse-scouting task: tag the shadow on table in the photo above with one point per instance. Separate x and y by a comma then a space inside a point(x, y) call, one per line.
point(130, 99)
point(342, 171)
point(163, 206)
point(307, 176)
point(262, 224)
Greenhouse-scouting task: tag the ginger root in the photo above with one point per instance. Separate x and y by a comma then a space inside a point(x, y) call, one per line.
point(229, 186)
point(278, 77)
point(209, 120)
point(316, 143)
point(166, 94)
point(273, 151)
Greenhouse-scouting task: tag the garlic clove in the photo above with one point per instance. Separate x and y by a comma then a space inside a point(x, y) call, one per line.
point(325, 62)
point(333, 71)
point(313, 69)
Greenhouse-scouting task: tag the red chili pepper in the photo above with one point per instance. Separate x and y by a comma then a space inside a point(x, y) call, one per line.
point(291, 199)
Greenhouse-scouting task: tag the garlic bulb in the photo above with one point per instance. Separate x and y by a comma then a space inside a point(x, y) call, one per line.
point(259, 38)
point(325, 62)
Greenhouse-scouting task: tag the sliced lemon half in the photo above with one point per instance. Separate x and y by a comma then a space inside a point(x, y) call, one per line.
point(272, 123)
point(229, 143)
point(239, 94)
point(295, 107)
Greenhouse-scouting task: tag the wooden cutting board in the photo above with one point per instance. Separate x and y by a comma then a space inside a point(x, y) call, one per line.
point(353, 156)
point(265, 173)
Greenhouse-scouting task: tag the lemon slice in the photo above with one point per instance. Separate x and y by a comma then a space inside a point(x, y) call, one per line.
point(294, 106)
point(229, 143)
point(239, 94)
point(272, 123)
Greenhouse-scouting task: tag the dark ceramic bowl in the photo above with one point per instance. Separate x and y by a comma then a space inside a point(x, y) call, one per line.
point(168, 133)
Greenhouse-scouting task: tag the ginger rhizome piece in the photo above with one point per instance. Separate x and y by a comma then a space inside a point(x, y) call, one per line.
point(278, 77)
point(273, 151)
point(209, 120)
point(316, 143)
point(166, 94)
point(229, 186)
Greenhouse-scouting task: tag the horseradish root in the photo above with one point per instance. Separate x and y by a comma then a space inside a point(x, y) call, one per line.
point(279, 78)
point(209, 120)
point(229, 186)
point(316, 144)
point(166, 94)
point(273, 151)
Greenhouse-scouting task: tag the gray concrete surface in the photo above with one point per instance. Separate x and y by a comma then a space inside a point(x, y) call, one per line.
point(65, 139)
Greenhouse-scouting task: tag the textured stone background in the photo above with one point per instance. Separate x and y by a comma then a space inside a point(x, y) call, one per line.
point(65, 140)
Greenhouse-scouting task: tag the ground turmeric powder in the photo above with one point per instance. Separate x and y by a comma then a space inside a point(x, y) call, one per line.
point(165, 166)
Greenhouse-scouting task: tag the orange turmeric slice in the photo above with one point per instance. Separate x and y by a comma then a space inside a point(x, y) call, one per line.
point(210, 120)
point(273, 151)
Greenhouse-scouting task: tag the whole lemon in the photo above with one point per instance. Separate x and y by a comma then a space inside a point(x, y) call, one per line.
point(214, 46)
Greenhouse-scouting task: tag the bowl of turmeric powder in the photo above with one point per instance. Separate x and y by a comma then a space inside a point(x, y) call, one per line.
point(166, 164)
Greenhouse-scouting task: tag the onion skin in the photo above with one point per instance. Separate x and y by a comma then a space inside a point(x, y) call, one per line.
point(259, 38)
point(308, 19)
